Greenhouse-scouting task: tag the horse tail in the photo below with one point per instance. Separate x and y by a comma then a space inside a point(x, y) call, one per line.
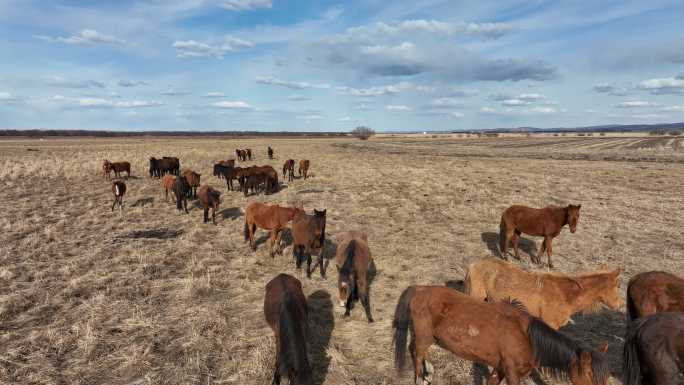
point(402, 320)
point(631, 368)
point(246, 230)
point(292, 349)
point(632, 312)
point(348, 265)
point(553, 351)
point(502, 236)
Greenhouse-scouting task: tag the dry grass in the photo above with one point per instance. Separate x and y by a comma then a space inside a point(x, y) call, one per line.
point(155, 297)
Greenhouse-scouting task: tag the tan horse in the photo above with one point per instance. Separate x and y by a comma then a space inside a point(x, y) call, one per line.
point(304, 168)
point(500, 334)
point(546, 222)
point(167, 185)
point(552, 297)
point(353, 259)
point(268, 217)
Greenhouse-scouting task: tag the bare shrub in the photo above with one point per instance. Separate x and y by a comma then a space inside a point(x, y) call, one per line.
point(363, 132)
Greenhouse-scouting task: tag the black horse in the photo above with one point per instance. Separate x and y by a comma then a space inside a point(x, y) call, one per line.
point(270, 152)
point(181, 189)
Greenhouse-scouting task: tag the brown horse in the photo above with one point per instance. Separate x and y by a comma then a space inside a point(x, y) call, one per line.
point(654, 350)
point(181, 189)
point(288, 170)
point(117, 167)
point(308, 233)
point(552, 297)
point(654, 292)
point(268, 217)
point(248, 151)
point(500, 334)
point(304, 168)
point(286, 313)
point(209, 198)
point(118, 189)
point(270, 152)
point(546, 222)
point(167, 185)
point(193, 180)
point(353, 259)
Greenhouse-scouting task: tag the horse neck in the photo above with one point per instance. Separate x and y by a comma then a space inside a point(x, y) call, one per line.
point(592, 287)
point(560, 216)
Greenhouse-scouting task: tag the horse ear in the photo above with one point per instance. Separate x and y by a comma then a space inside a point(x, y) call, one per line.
point(617, 272)
point(579, 207)
point(603, 348)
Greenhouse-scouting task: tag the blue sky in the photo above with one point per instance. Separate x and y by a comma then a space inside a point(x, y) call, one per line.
point(329, 66)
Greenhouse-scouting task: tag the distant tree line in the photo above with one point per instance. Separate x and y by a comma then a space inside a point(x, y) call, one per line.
point(116, 134)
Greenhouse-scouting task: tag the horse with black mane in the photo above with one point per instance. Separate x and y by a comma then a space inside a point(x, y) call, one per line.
point(288, 170)
point(654, 350)
point(353, 260)
point(286, 313)
point(546, 222)
point(229, 173)
point(308, 234)
point(194, 182)
point(181, 189)
point(166, 165)
point(268, 217)
point(118, 189)
point(117, 167)
point(209, 198)
point(500, 334)
point(270, 152)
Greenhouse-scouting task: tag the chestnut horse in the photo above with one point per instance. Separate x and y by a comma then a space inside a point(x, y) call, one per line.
point(308, 233)
point(304, 168)
point(552, 297)
point(118, 189)
point(209, 198)
point(654, 350)
point(500, 334)
point(117, 167)
point(268, 217)
point(654, 292)
point(546, 222)
point(353, 259)
point(194, 182)
point(167, 185)
point(286, 313)
point(288, 170)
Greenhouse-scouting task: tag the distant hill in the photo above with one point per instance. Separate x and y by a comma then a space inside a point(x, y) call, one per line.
point(603, 128)
point(116, 134)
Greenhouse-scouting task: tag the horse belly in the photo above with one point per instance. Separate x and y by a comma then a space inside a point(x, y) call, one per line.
point(471, 341)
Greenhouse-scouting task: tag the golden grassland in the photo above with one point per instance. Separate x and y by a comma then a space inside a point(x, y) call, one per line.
point(89, 296)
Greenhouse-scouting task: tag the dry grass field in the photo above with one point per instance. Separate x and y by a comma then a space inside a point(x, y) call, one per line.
point(89, 296)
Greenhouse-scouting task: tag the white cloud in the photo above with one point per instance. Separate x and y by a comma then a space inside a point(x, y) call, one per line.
point(344, 119)
point(297, 98)
point(85, 37)
point(92, 102)
point(529, 97)
point(270, 80)
point(636, 104)
point(58, 81)
point(389, 89)
point(671, 85)
point(192, 48)
point(520, 112)
point(129, 83)
point(214, 95)
point(446, 102)
point(543, 110)
point(245, 5)
point(610, 89)
point(7, 97)
point(172, 92)
point(312, 117)
point(664, 109)
point(515, 102)
point(398, 108)
point(232, 105)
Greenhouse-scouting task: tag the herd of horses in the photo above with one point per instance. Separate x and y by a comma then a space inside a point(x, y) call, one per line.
point(506, 317)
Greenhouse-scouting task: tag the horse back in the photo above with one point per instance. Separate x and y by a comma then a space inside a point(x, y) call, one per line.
point(362, 254)
point(654, 291)
point(531, 220)
point(277, 289)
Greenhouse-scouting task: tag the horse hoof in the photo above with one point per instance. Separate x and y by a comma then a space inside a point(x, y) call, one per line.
point(371, 320)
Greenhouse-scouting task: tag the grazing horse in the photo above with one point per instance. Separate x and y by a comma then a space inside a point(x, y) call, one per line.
point(222, 163)
point(181, 189)
point(118, 189)
point(167, 185)
point(270, 152)
point(304, 168)
point(255, 182)
point(353, 259)
point(248, 151)
point(268, 217)
point(193, 180)
point(552, 297)
point(654, 350)
point(288, 170)
point(546, 222)
point(286, 313)
point(166, 165)
point(654, 292)
point(241, 154)
point(209, 198)
point(117, 167)
point(308, 233)
point(500, 334)
point(229, 173)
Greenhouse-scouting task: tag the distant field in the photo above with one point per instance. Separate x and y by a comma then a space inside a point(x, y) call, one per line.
point(155, 297)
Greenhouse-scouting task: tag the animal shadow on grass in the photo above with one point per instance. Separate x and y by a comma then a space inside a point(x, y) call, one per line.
point(492, 240)
point(160, 233)
point(143, 202)
point(456, 284)
point(325, 255)
point(310, 191)
point(321, 324)
point(230, 213)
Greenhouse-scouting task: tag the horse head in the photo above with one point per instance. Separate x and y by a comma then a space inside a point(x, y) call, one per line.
point(572, 216)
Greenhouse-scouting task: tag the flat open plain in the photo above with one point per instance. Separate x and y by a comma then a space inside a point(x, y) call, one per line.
point(88, 296)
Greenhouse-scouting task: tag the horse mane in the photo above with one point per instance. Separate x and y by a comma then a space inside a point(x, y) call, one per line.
point(292, 350)
point(348, 266)
point(555, 352)
point(516, 304)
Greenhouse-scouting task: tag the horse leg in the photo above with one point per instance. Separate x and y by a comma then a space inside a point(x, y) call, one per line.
point(512, 376)
point(279, 245)
point(495, 377)
point(185, 204)
point(272, 239)
point(365, 298)
point(548, 241)
point(121, 203)
point(542, 249)
point(423, 369)
point(206, 214)
point(308, 263)
point(276, 373)
point(115, 201)
point(515, 237)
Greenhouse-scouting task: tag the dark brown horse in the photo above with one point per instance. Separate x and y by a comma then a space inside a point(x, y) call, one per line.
point(353, 259)
point(167, 185)
point(288, 170)
point(181, 189)
point(117, 167)
point(193, 180)
point(241, 154)
point(654, 350)
point(308, 234)
point(304, 168)
point(118, 189)
point(500, 334)
point(654, 292)
point(225, 163)
point(286, 313)
point(248, 151)
point(229, 173)
point(209, 198)
point(270, 152)
point(268, 217)
point(546, 222)
point(256, 182)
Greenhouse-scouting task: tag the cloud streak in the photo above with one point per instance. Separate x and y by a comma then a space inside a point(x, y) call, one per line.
point(84, 37)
